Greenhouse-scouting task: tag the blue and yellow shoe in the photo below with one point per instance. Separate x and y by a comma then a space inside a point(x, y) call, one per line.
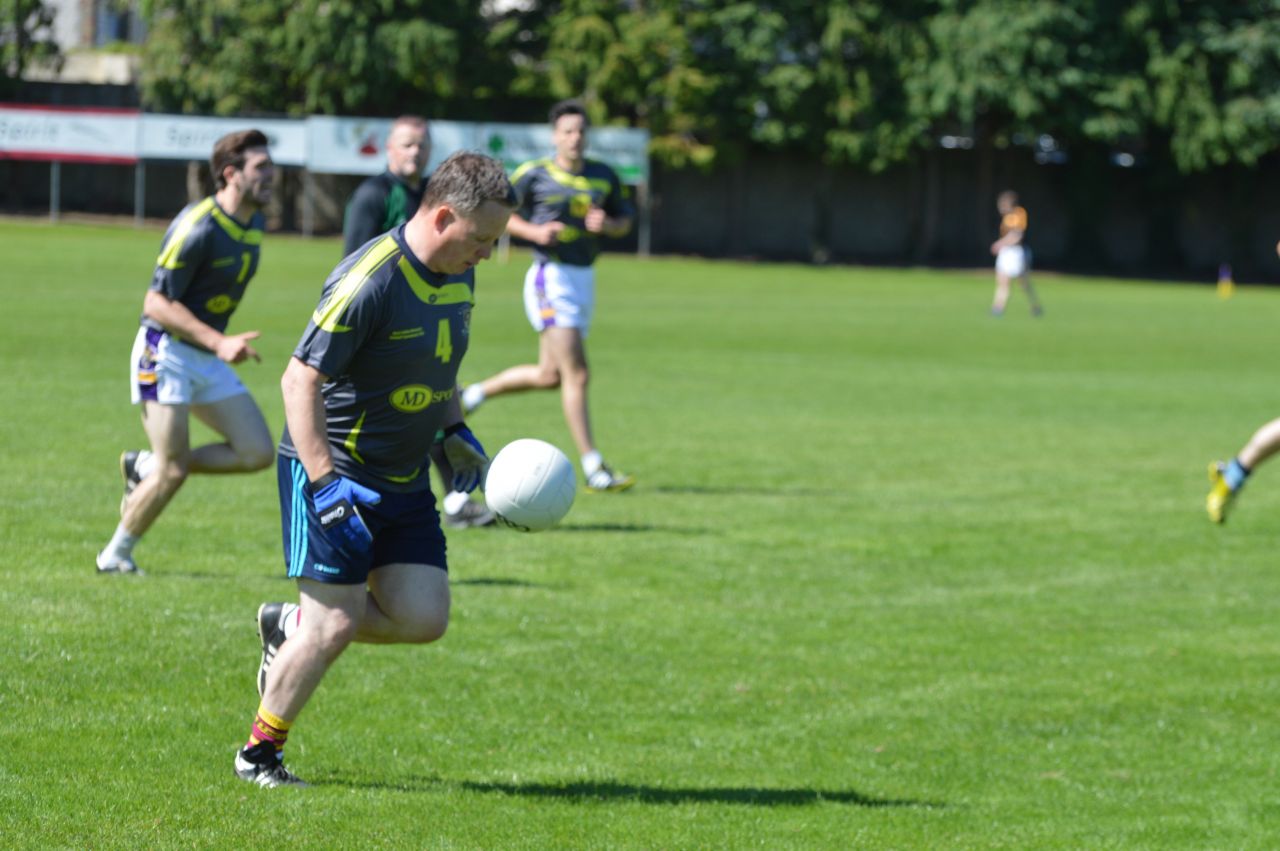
point(1220, 493)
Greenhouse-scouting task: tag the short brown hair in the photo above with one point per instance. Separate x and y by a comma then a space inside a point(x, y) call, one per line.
point(230, 151)
point(466, 180)
point(573, 106)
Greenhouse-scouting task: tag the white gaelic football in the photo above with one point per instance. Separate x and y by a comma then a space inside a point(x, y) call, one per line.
point(530, 485)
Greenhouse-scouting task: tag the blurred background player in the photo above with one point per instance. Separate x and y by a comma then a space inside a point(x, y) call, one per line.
point(567, 203)
point(181, 355)
point(1227, 478)
point(1013, 258)
point(386, 201)
point(361, 533)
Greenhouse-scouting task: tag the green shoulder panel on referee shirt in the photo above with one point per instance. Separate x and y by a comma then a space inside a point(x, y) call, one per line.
point(326, 317)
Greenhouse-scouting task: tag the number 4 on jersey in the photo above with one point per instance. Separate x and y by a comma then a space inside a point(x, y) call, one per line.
point(444, 342)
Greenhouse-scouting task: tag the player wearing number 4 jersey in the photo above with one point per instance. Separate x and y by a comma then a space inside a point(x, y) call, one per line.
point(182, 355)
point(369, 387)
point(567, 203)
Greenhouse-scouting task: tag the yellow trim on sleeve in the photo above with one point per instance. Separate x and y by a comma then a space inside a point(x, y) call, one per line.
point(169, 254)
point(327, 315)
point(402, 480)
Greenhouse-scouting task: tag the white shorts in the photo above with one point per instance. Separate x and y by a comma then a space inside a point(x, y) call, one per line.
point(171, 372)
point(1013, 261)
point(559, 296)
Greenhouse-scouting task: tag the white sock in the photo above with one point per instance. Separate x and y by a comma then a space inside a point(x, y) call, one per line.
point(472, 396)
point(592, 462)
point(145, 464)
point(290, 617)
point(121, 543)
point(454, 500)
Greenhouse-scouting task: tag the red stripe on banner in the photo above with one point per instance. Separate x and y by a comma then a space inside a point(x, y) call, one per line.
point(58, 157)
point(43, 107)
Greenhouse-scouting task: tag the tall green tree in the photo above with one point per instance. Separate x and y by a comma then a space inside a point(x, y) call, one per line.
point(712, 79)
point(864, 82)
point(26, 36)
point(319, 56)
point(1213, 73)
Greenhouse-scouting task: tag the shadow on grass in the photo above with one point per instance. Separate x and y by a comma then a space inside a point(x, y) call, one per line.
point(751, 796)
point(734, 490)
point(630, 527)
point(610, 791)
point(506, 583)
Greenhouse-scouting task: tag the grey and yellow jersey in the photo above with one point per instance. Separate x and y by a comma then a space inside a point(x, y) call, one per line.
point(206, 261)
point(389, 334)
point(547, 192)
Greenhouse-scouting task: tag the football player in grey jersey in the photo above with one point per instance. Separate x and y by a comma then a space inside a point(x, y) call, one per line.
point(370, 386)
point(567, 203)
point(182, 354)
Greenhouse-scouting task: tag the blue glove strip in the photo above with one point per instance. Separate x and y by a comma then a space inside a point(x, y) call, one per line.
point(337, 504)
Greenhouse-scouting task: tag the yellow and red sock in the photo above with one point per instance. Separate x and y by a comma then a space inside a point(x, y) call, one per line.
point(268, 727)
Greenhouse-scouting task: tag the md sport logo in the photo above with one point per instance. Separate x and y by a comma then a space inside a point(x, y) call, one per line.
point(412, 398)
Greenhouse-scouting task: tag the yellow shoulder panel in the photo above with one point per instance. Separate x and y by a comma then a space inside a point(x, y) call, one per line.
point(168, 258)
point(327, 315)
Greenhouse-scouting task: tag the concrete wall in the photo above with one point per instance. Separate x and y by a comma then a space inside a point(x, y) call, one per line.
point(1087, 216)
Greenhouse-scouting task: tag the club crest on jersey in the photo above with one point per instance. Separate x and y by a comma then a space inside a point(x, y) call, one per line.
point(220, 304)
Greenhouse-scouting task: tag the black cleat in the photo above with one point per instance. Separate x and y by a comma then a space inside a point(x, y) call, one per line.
point(263, 764)
point(129, 472)
point(271, 618)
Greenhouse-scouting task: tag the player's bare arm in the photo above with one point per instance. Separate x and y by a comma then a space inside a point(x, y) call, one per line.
point(453, 411)
point(304, 413)
point(547, 233)
point(1013, 237)
point(597, 221)
point(178, 319)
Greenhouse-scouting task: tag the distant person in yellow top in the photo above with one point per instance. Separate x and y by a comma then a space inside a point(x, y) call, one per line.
point(1013, 258)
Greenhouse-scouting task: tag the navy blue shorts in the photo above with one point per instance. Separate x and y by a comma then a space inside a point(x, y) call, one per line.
point(405, 528)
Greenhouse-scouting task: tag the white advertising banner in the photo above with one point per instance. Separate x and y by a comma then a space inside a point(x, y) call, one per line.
point(191, 137)
point(625, 149)
point(68, 135)
point(324, 144)
point(359, 145)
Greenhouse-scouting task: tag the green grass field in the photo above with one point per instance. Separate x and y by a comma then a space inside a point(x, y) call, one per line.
point(895, 575)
